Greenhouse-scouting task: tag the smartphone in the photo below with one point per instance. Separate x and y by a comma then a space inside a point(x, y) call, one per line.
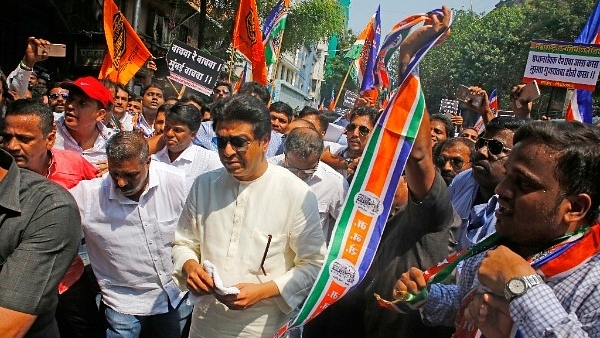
point(464, 95)
point(55, 50)
point(529, 93)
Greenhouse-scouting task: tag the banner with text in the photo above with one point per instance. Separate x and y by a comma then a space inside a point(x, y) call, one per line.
point(563, 64)
point(349, 98)
point(193, 68)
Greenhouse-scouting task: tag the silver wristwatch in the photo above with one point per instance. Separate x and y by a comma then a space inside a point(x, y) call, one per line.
point(517, 286)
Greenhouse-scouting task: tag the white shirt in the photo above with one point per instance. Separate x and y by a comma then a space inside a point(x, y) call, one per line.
point(127, 121)
point(129, 243)
point(330, 187)
point(228, 222)
point(96, 154)
point(194, 161)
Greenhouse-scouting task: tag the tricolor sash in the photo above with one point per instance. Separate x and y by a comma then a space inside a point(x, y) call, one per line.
point(358, 230)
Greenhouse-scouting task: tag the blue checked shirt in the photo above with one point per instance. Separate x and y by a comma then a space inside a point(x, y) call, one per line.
point(568, 306)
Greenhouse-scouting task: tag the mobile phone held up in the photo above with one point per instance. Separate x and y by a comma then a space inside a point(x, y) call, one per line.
point(463, 94)
point(529, 93)
point(55, 50)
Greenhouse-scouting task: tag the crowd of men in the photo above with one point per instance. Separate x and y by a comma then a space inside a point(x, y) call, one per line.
point(161, 216)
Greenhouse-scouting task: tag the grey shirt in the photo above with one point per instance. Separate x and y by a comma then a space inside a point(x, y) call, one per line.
point(39, 236)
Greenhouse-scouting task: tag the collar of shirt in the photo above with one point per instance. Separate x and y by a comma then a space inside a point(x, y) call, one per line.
point(186, 155)
point(115, 193)
point(9, 186)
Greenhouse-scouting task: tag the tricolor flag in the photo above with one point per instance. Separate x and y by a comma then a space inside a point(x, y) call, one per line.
point(493, 99)
point(126, 52)
point(247, 39)
point(363, 53)
point(273, 30)
point(332, 101)
point(362, 221)
point(582, 110)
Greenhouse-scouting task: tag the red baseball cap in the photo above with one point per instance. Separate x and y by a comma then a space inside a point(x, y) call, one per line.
point(92, 88)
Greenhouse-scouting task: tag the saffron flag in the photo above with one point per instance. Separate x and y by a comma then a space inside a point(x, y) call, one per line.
point(247, 39)
point(361, 223)
point(363, 54)
point(583, 98)
point(242, 78)
point(126, 52)
point(332, 101)
point(273, 30)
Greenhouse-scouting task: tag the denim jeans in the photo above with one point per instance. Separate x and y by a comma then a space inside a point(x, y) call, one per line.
point(166, 325)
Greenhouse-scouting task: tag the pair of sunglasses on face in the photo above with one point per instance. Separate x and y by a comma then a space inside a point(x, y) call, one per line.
point(55, 96)
point(456, 163)
point(495, 147)
point(362, 130)
point(238, 143)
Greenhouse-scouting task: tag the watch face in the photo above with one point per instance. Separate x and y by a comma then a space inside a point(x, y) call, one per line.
point(516, 286)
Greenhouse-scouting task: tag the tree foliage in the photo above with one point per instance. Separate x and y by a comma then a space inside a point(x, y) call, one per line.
point(337, 67)
point(491, 50)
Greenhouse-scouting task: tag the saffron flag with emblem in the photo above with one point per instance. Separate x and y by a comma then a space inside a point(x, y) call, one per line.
point(580, 106)
point(358, 230)
point(363, 54)
point(247, 39)
point(126, 52)
point(273, 30)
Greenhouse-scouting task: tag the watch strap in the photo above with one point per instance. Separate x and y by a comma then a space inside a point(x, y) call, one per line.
point(529, 281)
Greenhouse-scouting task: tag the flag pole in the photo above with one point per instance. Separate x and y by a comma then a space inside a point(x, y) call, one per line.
point(278, 56)
point(231, 64)
point(337, 98)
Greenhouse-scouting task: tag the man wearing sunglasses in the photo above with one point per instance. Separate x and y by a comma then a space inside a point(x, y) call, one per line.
point(57, 98)
point(453, 156)
point(256, 223)
point(472, 191)
point(222, 90)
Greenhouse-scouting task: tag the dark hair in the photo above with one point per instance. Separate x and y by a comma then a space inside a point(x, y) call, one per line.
point(164, 107)
point(370, 111)
point(152, 85)
point(323, 121)
point(38, 92)
point(184, 113)
point(193, 98)
point(505, 122)
point(331, 116)
point(284, 108)
point(223, 83)
point(304, 142)
point(256, 89)
point(447, 123)
point(121, 87)
point(126, 145)
point(452, 142)
point(578, 162)
point(307, 110)
point(245, 108)
point(31, 107)
point(135, 98)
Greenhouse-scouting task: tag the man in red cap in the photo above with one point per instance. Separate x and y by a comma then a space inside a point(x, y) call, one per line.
point(80, 128)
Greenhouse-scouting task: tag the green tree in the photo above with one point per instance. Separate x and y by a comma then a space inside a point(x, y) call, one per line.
point(337, 67)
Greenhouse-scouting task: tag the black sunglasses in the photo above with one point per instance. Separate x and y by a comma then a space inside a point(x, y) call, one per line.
point(495, 147)
point(362, 130)
point(238, 143)
point(55, 96)
point(220, 91)
point(456, 162)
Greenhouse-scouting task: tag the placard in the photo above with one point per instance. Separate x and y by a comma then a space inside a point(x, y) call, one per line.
point(563, 64)
point(193, 68)
point(349, 98)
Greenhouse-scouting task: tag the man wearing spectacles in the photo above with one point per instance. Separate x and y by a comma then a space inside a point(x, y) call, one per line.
point(452, 157)
point(57, 98)
point(271, 256)
point(472, 191)
point(222, 89)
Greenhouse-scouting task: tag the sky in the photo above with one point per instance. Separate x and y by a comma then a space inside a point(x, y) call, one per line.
point(393, 11)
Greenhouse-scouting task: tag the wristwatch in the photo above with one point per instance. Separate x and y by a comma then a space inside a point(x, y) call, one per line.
point(348, 161)
point(517, 286)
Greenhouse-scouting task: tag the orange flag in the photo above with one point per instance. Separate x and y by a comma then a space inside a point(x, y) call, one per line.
point(247, 38)
point(126, 52)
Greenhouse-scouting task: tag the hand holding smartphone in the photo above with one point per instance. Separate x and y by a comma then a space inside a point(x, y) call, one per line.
point(464, 95)
point(55, 50)
point(529, 93)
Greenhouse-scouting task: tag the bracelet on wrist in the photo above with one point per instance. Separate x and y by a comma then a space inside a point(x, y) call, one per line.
point(23, 66)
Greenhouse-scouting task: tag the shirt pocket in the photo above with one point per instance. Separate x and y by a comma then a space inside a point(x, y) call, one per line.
point(269, 254)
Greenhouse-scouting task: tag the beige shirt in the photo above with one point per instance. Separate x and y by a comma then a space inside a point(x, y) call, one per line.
point(228, 222)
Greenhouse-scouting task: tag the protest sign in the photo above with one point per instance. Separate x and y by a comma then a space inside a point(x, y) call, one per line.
point(349, 98)
point(193, 68)
point(563, 64)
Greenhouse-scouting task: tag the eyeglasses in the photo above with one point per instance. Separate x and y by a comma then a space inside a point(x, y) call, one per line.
point(301, 173)
point(495, 147)
point(55, 96)
point(362, 130)
point(219, 91)
point(457, 163)
point(238, 143)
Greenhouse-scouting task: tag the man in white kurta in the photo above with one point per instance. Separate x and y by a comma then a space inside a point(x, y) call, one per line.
point(257, 223)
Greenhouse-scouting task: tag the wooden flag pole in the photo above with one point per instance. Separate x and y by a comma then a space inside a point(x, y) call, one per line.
point(231, 64)
point(278, 56)
point(337, 98)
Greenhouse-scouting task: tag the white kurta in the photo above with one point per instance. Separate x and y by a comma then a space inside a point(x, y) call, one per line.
point(228, 222)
